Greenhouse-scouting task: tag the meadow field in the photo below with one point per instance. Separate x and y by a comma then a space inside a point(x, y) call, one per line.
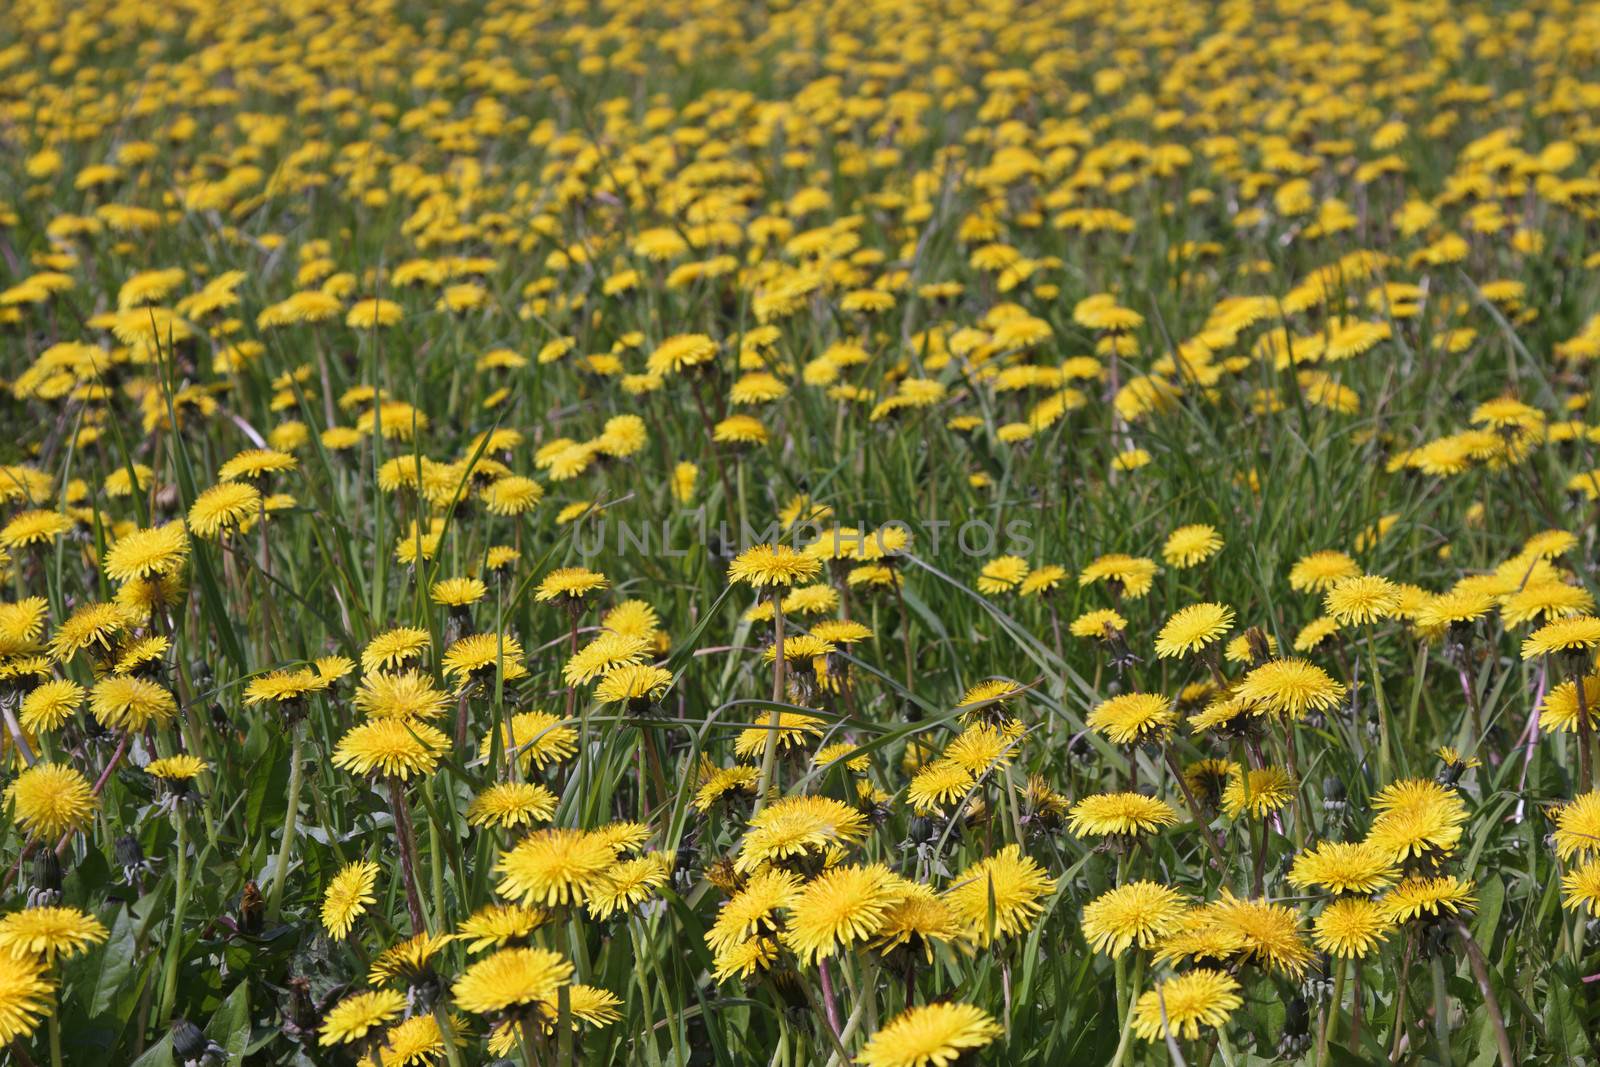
point(805, 533)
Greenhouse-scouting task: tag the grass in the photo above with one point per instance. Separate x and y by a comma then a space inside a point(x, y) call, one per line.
point(517, 177)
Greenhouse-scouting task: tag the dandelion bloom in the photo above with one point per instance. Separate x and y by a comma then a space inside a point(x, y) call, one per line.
point(993, 692)
point(1002, 575)
point(47, 706)
point(553, 867)
point(585, 1004)
point(1131, 814)
point(92, 626)
point(50, 932)
point(511, 978)
point(773, 565)
point(416, 1040)
point(1138, 913)
point(536, 739)
point(1416, 897)
point(1363, 599)
point(938, 785)
point(1576, 634)
point(1259, 930)
point(1417, 817)
point(128, 702)
point(347, 896)
point(982, 746)
point(1577, 830)
point(681, 352)
point(1100, 624)
point(932, 1035)
point(1258, 792)
point(603, 655)
point(1320, 570)
point(256, 463)
point(391, 748)
point(1193, 628)
point(633, 682)
point(745, 958)
point(755, 909)
point(223, 507)
point(1340, 867)
point(147, 553)
point(408, 961)
point(791, 827)
point(512, 804)
point(1351, 927)
point(919, 920)
point(1552, 599)
point(495, 925)
point(1188, 546)
point(1131, 718)
point(1000, 896)
point(1457, 608)
point(1129, 576)
point(182, 768)
point(840, 907)
point(27, 995)
point(792, 728)
point(722, 782)
point(1581, 888)
point(49, 799)
point(569, 583)
point(484, 654)
point(1559, 710)
point(1182, 1004)
point(404, 695)
point(1290, 688)
point(1043, 580)
point(34, 528)
point(353, 1017)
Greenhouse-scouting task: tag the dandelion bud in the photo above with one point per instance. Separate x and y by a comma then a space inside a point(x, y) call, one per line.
point(46, 887)
point(188, 1041)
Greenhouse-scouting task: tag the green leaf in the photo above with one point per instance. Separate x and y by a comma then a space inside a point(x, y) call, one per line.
point(1562, 1026)
point(230, 1026)
point(157, 1055)
point(1491, 898)
point(115, 963)
point(102, 992)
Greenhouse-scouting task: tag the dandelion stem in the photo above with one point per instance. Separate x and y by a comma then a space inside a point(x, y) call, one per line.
point(169, 978)
point(15, 730)
point(1376, 681)
point(55, 1039)
point(1474, 713)
point(408, 853)
point(1258, 873)
point(1491, 1003)
point(1441, 1010)
point(1201, 822)
point(1356, 1003)
point(1585, 755)
point(839, 1056)
point(905, 634)
point(100, 784)
point(1397, 1026)
point(1127, 1016)
point(461, 717)
point(280, 869)
point(830, 1013)
point(769, 758)
point(1330, 1021)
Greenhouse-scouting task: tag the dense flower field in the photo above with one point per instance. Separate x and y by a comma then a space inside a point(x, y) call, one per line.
point(798, 534)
